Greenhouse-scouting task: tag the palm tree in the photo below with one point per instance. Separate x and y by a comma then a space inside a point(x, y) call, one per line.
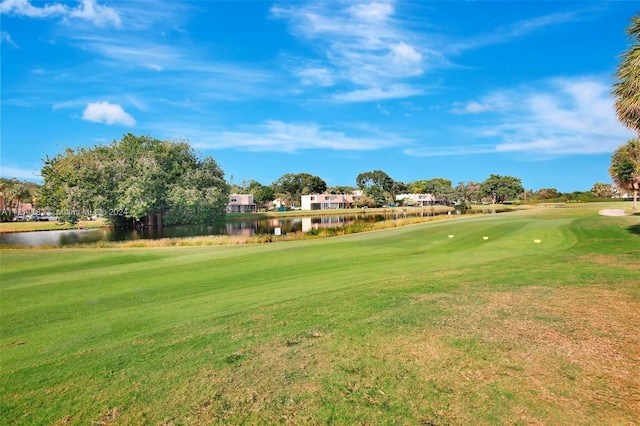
point(627, 87)
point(625, 168)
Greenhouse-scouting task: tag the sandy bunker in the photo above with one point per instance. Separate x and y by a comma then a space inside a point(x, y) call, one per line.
point(612, 212)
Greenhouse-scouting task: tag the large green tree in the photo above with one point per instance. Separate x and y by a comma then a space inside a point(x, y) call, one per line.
point(467, 191)
point(602, 190)
point(199, 195)
point(137, 178)
point(294, 185)
point(626, 89)
point(341, 189)
point(625, 168)
point(501, 188)
point(374, 178)
point(263, 195)
point(547, 194)
point(79, 182)
point(441, 188)
point(379, 186)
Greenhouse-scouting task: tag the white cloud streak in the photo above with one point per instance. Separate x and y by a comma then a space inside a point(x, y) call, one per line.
point(279, 136)
point(178, 67)
point(105, 112)
point(6, 38)
point(533, 24)
point(101, 16)
point(362, 45)
point(378, 93)
point(87, 10)
point(25, 8)
point(561, 116)
point(312, 76)
point(518, 29)
point(444, 151)
point(495, 102)
point(129, 50)
point(162, 17)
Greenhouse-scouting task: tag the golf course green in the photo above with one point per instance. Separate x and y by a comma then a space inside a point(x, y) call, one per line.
point(527, 317)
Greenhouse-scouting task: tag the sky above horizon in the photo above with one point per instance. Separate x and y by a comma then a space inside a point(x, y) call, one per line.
point(418, 89)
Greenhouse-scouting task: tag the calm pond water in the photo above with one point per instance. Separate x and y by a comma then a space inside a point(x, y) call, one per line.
point(232, 228)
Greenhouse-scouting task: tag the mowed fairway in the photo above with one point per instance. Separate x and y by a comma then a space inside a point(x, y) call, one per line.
point(399, 326)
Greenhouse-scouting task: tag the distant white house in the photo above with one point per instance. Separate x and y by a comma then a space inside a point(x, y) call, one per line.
point(241, 203)
point(327, 201)
point(419, 199)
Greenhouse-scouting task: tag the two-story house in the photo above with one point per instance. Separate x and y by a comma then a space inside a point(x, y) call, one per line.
point(241, 203)
point(327, 201)
point(420, 200)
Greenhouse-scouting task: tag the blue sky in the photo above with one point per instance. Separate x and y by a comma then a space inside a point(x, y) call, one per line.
point(418, 89)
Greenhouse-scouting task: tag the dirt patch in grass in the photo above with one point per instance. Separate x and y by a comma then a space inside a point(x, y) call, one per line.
point(109, 417)
point(611, 261)
point(574, 352)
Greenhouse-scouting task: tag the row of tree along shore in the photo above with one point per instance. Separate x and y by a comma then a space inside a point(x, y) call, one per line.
point(140, 181)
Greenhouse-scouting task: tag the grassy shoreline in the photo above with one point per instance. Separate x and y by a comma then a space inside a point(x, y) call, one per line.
point(29, 226)
point(210, 240)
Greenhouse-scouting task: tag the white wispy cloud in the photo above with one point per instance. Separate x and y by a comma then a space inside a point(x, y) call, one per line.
point(163, 17)
point(378, 93)
point(443, 151)
point(372, 12)
point(315, 76)
point(405, 60)
point(471, 107)
point(108, 113)
point(175, 66)
point(87, 10)
point(497, 101)
point(361, 44)
point(527, 26)
point(101, 16)
point(25, 8)
point(505, 33)
point(130, 50)
point(6, 38)
point(559, 116)
point(280, 136)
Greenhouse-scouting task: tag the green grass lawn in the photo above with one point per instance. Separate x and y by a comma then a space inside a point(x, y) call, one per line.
point(398, 326)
